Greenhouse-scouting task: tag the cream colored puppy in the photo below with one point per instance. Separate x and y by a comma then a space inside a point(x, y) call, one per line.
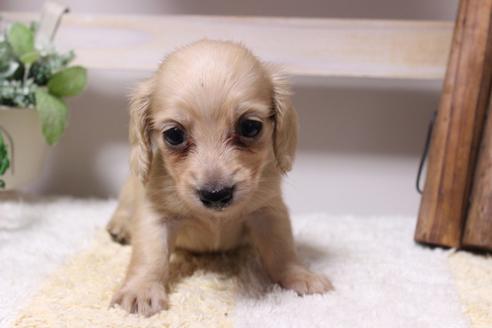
point(211, 132)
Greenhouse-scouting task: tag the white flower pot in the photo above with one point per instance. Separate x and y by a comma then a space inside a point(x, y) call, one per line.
point(27, 149)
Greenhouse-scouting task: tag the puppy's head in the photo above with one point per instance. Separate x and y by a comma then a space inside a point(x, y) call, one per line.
point(212, 121)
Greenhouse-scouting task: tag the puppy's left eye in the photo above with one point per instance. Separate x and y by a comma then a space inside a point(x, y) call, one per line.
point(249, 128)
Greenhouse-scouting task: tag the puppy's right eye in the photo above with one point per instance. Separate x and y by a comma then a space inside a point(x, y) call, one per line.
point(175, 136)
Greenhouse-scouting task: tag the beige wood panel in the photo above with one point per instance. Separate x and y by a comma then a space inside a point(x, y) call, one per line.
point(312, 47)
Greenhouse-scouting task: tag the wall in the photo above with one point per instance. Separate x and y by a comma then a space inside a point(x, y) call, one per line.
point(390, 9)
point(360, 139)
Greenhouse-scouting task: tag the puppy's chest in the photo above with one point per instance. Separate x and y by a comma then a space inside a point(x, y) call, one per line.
point(210, 236)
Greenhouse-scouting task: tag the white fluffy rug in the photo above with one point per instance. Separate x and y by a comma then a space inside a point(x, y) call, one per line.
point(382, 278)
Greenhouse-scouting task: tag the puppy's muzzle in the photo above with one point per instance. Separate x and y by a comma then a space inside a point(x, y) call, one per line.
point(216, 198)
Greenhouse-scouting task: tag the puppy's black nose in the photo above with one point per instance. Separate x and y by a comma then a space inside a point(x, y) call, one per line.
point(216, 197)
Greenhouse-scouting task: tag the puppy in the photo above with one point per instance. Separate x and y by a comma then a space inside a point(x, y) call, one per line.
point(211, 132)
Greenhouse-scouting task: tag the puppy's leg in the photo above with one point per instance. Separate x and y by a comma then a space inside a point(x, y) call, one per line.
point(119, 227)
point(143, 290)
point(271, 233)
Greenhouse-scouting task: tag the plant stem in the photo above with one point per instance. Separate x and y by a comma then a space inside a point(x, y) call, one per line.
point(26, 73)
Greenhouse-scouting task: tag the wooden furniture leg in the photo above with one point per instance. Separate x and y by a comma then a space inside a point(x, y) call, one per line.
point(478, 227)
point(458, 127)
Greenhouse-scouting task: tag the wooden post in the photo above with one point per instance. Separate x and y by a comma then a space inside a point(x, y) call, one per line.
point(458, 127)
point(478, 228)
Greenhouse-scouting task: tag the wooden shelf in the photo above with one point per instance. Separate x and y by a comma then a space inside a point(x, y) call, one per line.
point(310, 47)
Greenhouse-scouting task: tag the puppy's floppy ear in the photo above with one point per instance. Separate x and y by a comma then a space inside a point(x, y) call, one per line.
point(140, 130)
point(285, 118)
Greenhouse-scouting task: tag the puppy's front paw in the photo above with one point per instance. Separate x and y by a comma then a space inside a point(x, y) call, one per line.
point(303, 281)
point(118, 229)
point(142, 298)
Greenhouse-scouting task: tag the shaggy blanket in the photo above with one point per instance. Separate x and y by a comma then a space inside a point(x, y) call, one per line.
point(59, 269)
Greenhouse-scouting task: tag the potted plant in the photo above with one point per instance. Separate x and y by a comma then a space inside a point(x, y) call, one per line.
point(34, 80)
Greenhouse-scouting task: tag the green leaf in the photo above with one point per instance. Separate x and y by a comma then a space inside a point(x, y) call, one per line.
point(53, 114)
point(4, 156)
point(68, 82)
point(21, 39)
point(29, 57)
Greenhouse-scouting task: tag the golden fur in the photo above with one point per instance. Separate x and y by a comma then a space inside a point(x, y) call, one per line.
point(204, 89)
